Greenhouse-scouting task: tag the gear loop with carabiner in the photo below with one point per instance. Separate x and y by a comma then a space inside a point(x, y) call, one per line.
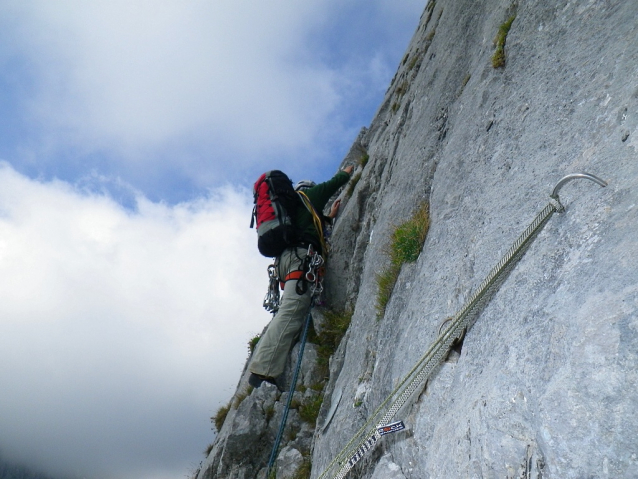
point(315, 271)
point(271, 301)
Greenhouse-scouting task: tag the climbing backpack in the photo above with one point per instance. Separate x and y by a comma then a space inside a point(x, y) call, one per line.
point(275, 204)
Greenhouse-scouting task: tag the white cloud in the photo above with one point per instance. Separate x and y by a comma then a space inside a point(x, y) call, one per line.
point(197, 90)
point(121, 333)
point(144, 74)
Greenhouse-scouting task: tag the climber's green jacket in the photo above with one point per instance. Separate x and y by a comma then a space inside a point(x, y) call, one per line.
point(318, 196)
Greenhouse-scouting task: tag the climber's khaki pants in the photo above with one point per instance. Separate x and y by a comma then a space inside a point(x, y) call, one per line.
point(271, 353)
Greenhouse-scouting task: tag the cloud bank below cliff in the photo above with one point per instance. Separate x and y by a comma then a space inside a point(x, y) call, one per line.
point(118, 329)
point(130, 279)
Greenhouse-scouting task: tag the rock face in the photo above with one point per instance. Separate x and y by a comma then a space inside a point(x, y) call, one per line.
point(545, 382)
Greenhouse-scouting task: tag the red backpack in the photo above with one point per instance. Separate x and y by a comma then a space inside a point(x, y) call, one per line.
point(276, 201)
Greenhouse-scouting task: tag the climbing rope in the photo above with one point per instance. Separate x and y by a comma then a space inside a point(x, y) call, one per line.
point(316, 219)
point(368, 435)
point(282, 426)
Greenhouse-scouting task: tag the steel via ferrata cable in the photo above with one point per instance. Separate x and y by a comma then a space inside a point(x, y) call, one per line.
point(368, 435)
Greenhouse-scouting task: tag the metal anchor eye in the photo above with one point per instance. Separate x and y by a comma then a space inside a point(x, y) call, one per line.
point(555, 201)
point(574, 176)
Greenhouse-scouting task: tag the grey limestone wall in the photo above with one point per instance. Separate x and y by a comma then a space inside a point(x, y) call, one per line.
point(544, 383)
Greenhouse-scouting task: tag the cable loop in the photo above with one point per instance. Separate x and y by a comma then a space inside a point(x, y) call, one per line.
point(555, 202)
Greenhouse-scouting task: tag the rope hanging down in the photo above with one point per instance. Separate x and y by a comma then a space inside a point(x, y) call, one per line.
point(368, 435)
point(284, 419)
point(316, 219)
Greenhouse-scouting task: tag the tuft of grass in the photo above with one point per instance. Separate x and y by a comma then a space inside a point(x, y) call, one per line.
point(408, 237)
point(402, 89)
point(242, 395)
point(318, 387)
point(269, 412)
point(252, 343)
point(334, 328)
point(304, 471)
point(363, 161)
point(353, 184)
point(414, 61)
point(309, 410)
point(220, 416)
point(385, 282)
point(498, 59)
point(464, 83)
point(405, 246)
point(207, 450)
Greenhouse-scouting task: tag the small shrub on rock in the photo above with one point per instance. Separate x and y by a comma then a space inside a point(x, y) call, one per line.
point(498, 59)
point(405, 246)
point(220, 416)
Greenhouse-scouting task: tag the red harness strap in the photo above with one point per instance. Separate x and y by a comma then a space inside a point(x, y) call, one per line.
point(299, 274)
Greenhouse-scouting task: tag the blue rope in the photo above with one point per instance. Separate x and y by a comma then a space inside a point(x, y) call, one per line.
point(302, 345)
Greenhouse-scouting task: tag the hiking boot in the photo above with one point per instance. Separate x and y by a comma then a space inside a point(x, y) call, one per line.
point(279, 382)
point(255, 380)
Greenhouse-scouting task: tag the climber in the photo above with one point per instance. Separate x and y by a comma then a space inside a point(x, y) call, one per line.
point(269, 358)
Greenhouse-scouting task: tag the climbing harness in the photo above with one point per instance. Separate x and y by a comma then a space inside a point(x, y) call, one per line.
point(311, 274)
point(452, 329)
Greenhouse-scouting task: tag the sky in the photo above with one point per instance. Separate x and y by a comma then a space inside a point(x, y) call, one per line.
point(130, 136)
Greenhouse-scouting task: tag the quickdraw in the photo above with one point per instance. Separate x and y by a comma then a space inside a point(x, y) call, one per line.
point(271, 301)
point(315, 272)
